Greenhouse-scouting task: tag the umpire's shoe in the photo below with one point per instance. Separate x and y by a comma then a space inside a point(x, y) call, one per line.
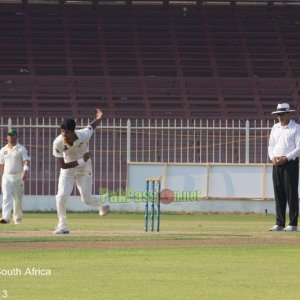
point(277, 228)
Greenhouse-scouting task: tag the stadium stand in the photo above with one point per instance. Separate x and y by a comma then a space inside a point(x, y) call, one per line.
point(148, 59)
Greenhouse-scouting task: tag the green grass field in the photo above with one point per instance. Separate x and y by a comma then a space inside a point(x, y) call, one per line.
point(197, 256)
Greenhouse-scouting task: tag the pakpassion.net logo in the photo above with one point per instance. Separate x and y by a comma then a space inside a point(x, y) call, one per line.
point(167, 196)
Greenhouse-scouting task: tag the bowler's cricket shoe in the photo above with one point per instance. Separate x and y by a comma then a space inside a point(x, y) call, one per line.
point(104, 210)
point(61, 231)
point(3, 221)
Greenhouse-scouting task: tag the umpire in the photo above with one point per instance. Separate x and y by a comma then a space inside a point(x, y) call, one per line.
point(284, 150)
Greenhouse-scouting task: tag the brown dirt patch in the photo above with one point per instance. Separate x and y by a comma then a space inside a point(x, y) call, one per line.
point(136, 239)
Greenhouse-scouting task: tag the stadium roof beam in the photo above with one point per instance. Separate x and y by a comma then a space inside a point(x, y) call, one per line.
point(165, 3)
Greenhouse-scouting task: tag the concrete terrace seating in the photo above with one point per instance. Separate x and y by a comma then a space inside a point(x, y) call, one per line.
point(148, 61)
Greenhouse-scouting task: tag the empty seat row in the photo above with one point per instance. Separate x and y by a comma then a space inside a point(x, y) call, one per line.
point(148, 61)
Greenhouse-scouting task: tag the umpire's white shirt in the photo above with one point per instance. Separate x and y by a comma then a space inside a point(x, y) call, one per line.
point(72, 153)
point(13, 158)
point(285, 141)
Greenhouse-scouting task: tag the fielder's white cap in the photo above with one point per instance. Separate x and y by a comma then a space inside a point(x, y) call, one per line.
point(282, 108)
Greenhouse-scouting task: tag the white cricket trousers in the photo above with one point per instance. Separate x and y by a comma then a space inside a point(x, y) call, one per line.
point(12, 193)
point(67, 179)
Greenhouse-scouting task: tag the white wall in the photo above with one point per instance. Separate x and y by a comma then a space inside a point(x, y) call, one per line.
point(215, 181)
point(47, 204)
point(222, 188)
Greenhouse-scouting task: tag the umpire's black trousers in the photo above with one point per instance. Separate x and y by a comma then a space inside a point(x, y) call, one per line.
point(285, 181)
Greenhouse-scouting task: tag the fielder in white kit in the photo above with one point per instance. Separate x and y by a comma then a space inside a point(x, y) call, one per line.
point(71, 150)
point(14, 167)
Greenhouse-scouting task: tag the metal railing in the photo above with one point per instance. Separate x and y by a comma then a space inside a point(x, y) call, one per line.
point(116, 142)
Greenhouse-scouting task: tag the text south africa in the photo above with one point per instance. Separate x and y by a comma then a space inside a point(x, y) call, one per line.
point(29, 271)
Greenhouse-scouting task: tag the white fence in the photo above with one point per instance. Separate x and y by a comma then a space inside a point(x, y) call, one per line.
point(117, 142)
